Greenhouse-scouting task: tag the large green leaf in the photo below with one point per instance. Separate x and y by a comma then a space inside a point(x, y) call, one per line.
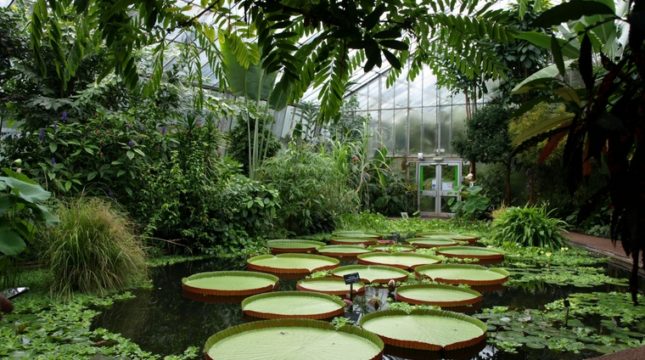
point(252, 82)
point(572, 10)
point(542, 127)
point(11, 243)
point(28, 192)
point(544, 41)
point(549, 73)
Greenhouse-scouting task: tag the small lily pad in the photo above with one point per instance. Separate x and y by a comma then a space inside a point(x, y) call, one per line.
point(401, 260)
point(329, 285)
point(463, 274)
point(293, 304)
point(279, 246)
point(373, 273)
point(291, 263)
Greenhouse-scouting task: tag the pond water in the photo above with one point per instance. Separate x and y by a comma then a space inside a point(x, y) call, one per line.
point(162, 321)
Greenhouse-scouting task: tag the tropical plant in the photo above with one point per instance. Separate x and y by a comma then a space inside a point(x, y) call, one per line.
point(22, 211)
point(605, 44)
point(487, 140)
point(93, 249)
point(474, 205)
point(241, 144)
point(313, 193)
point(528, 226)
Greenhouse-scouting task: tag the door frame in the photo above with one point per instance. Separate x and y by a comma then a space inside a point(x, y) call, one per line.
point(438, 193)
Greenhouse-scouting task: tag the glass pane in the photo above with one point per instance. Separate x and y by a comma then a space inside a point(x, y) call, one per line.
point(401, 132)
point(428, 178)
point(416, 91)
point(387, 96)
point(449, 179)
point(444, 128)
point(446, 202)
point(373, 101)
point(429, 89)
point(401, 95)
point(458, 124)
point(415, 119)
point(387, 130)
point(427, 204)
point(429, 131)
point(445, 97)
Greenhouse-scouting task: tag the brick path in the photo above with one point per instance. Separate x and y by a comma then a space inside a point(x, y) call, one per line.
point(602, 246)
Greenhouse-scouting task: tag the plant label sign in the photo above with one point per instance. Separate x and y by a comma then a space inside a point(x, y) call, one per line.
point(352, 278)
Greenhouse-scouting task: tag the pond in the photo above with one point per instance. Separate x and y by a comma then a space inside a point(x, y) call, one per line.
point(162, 321)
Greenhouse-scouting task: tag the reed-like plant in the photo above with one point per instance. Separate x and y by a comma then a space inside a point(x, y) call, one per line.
point(93, 249)
point(528, 226)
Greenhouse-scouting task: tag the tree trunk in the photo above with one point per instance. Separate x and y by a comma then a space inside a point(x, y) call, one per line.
point(507, 184)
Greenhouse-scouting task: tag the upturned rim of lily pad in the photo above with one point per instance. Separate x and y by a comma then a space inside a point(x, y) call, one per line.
point(398, 274)
point(429, 346)
point(301, 297)
point(247, 330)
point(476, 296)
point(287, 270)
point(502, 274)
point(215, 291)
point(281, 246)
point(492, 256)
point(308, 285)
point(368, 259)
point(328, 250)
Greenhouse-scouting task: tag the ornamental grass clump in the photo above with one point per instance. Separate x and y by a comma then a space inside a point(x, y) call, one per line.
point(93, 249)
point(528, 226)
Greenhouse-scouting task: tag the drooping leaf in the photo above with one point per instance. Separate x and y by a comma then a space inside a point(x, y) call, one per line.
point(549, 73)
point(557, 55)
point(28, 192)
point(550, 146)
point(544, 41)
point(585, 62)
point(541, 127)
point(571, 10)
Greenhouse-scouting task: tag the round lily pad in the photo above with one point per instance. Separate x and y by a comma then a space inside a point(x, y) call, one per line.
point(401, 260)
point(291, 263)
point(293, 339)
point(229, 283)
point(463, 274)
point(329, 285)
point(437, 294)
point(293, 304)
point(373, 273)
point(465, 237)
point(280, 246)
point(353, 241)
point(428, 242)
point(356, 234)
point(432, 330)
point(342, 251)
point(393, 248)
point(485, 255)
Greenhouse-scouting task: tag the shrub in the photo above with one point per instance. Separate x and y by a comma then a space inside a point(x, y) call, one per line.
point(93, 249)
point(528, 226)
point(313, 192)
point(241, 144)
point(474, 205)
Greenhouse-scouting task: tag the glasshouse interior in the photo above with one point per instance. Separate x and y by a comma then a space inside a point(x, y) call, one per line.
point(322, 179)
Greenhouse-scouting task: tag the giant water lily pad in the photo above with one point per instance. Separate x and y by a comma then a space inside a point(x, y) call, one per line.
point(329, 285)
point(465, 237)
point(293, 339)
point(291, 263)
point(430, 242)
point(342, 251)
point(463, 274)
point(401, 260)
point(432, 330)
point(356, 234)
point(280, 246)
point(393, 248)
point(484, 255)
point(229, 283)
point(437, 294)
point(373, 273)
point(353, 241)
point(293, 304)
